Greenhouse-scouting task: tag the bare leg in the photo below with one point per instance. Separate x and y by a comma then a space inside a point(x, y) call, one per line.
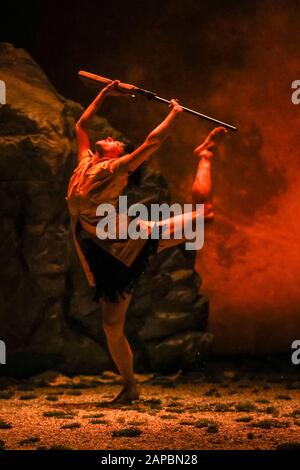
point(113, 325)
point(201, 189)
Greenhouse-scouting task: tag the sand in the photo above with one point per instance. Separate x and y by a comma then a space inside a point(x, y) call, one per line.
point(180, 413)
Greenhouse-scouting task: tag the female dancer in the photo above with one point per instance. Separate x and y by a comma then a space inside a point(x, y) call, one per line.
point(112, 267)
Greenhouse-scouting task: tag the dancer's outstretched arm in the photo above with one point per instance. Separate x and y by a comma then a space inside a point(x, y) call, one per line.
point(82, 137)
point(153, 140)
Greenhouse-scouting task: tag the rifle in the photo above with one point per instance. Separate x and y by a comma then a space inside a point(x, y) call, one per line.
point(96, 80)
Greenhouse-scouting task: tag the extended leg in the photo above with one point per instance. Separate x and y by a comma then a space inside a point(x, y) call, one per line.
point(113, 325)
point(201, 189)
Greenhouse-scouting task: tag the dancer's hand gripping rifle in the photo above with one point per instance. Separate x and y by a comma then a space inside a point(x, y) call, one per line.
point(97, 80)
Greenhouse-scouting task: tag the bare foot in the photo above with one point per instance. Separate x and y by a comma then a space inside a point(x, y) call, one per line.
point(213, 139)
point(127, 394)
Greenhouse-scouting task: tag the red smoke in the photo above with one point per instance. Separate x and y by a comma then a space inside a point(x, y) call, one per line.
point(250, 265)
point(251, 262)
point(237, 64)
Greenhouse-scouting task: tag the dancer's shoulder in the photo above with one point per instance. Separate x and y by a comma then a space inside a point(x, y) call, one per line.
point(86, 154)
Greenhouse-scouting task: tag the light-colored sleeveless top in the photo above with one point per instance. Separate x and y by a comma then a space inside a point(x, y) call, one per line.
point(92, 183)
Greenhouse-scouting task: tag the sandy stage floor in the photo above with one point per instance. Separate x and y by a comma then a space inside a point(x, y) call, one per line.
point(232, 411)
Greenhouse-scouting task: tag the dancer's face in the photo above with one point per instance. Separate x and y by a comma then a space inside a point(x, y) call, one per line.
point(109, 147)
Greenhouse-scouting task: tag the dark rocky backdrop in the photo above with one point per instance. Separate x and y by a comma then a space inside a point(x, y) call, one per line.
point(47, 317)
point(235, 60)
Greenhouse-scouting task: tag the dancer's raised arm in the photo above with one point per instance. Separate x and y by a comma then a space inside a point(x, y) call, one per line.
point(153, 140)
point(82, 137)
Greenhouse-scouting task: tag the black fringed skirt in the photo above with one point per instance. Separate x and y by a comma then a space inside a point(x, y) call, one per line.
point(113, 278)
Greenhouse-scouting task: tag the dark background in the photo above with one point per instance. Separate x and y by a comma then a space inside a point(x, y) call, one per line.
point(114, 37)
point(235, 61)
point(155, 44)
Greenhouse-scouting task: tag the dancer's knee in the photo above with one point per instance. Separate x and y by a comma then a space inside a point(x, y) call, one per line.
point(113, 327)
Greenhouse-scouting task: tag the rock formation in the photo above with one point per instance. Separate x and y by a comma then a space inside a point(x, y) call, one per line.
point(47, 317)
